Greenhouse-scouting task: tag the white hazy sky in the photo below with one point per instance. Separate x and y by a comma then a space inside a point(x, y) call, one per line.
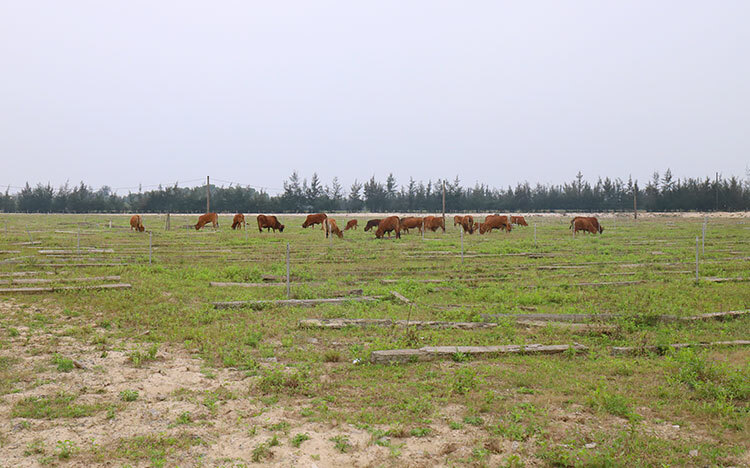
point(129, 92)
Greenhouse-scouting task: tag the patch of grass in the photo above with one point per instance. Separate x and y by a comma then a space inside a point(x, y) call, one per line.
point(52, 407)
point(420, 432)
point(154, 447)
point(139, 357)
point(66, 449)
point(299, 438)
point(129, 395)
point(290, 383)
point(341, 443)
point(601, 399)
point(63, 364)
point(464, 380)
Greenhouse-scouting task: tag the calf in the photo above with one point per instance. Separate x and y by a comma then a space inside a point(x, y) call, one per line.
point(314, 219)
point(238, 220)
point(518, 220)
point(331, 227)
point(411, 222)
point(433, 223)
point(373, 223)
point(387, 225)
point(269, 222)
point(352, 224)
point(494, 222)
point(136, 222)
point(212, 218)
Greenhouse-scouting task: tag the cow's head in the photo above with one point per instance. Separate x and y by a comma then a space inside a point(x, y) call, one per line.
point(601, 229)
point(281, 228)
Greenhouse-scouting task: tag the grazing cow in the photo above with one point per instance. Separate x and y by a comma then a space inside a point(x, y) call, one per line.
point(391, 223)
point(433, 223)
point(494, 222)
point(585, 225)
point(269, 222)
point(372, 223)
point(518, 220)
point(212, 218)
point(467, 223)
point(238, 220)
point(476, 225)
point(352, 224)
point(411, 222)
point(457, 220)
point(330, 226)
point(314, 219)
point(136, 222)
point(594, 222)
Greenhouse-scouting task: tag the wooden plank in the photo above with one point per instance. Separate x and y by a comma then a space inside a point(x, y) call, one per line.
point(338, 323)
point(83, 265)
point(95, 287)
point(638, 350)
point(400, 356)
point(59, 280)
point(612, 283)
point(584, 318)
point(293, 302)
point(724, 280)
point(74, 251)
point(570, 326)
point(219, 284)
point(401, 298)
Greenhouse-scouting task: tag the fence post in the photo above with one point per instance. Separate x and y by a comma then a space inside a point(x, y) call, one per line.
point(535, 235)
point(288, 288)
point(462, 244)
point(149, 247)
point(31, 239)
point(78, 241)
point(110, 224)
point(703, 239)
point(423, 228)
point(696, 258)
point(167, 227)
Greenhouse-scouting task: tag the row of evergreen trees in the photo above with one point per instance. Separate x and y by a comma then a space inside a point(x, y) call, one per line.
point(661, 193)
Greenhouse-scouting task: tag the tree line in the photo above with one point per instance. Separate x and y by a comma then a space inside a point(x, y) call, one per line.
point(661, 193)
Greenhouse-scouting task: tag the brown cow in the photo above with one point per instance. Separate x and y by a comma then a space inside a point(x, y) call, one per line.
point(411, 222)
point(391, 223)
point(238, 220)
point(433, 223)
point(467, 223)
point(269, 222)
point(314, 219)
point(372, 223)
point(330, 226)
point(594, 222)
point(136, 222)
point(457, 220)
point(212, 218)
point(585, 225)
point(518, 220)
point(476, 226)
point(352, 224)
point(494, 222)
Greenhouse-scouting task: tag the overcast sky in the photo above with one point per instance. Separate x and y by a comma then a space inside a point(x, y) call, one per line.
point(129, 92)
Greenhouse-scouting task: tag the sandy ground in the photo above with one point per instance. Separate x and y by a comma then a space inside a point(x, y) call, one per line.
point(175, 383)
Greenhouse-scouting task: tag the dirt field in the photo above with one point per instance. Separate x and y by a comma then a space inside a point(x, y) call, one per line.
point(153, 374)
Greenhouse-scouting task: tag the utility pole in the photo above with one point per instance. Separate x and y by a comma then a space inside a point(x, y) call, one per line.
point(635, 201)
point(208, 195)
point(717, 191)
point(443, 203)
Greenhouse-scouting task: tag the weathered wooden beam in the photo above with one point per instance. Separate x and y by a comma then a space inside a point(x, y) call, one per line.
point(724, 280)
point(401, 298)
point(338, 323)
point(399, 356)
point(570, 326)
point(611, 283)
point(637, 350)
point(584, 318)
point(293, 302)
point(83, 250)
point(58, 280)
point(95, 287)
point(219, 284)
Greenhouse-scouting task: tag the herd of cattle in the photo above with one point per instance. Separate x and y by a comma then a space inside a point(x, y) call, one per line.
point(391, 224)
